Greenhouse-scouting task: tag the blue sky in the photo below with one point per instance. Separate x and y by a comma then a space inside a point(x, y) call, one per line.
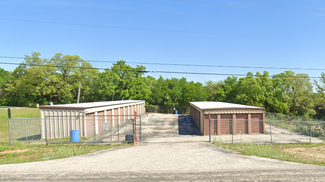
point(263, 33)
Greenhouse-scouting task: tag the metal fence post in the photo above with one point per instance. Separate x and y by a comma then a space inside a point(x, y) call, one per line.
point(140, 128)
point(46, 131)
point(25, 130)
point(118, 132)
point(110, 130)
point(70, 118)
point(232, 130)
point(209, 127)
point(94, 120)
point(9, 123)
point(310, 133)
point(50, 128)
point(40, 127)
point(135, 128)
point(271, 132)
point(61, 130)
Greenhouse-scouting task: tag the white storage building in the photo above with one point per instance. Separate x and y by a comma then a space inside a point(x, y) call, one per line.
point(88, 118)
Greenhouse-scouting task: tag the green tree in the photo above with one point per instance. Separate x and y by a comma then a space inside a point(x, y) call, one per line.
point(4, 79)
point(39, 80)
point(213, 90)
point(228, 91)
point(320, 97)
point(29, 80)
point(298, 89)
point(71, 70)
point(249, 91)
point(124, 82)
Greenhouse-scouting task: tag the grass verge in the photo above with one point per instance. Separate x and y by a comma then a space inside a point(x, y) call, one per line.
point(301, 153)
point(30, 153)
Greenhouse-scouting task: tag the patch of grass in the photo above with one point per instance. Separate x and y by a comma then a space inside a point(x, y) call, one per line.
point(29, 153)
point(15, 113)
point(316, 129)
point(277, 151)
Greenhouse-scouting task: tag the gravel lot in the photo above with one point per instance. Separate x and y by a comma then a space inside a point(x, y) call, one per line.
point(159, 161)
point(170, 161)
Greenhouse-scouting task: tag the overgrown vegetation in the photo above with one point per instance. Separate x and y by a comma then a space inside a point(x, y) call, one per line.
point(301, 153)
point(315, 129)
point(57, 80)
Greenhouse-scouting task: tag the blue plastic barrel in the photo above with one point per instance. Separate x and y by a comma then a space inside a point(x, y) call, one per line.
point(75, 136)
point(176, 112)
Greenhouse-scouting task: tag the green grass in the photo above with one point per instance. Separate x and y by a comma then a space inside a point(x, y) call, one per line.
point(317, 129)
point(275, 151)
point(15, 113)
point(30, 153)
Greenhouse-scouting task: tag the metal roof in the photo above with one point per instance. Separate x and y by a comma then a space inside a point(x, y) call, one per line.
point(88, 105)
point(222, 105)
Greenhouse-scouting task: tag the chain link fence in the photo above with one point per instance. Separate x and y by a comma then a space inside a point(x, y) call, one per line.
point(282, 117)
point(105, 129)
point(24, 130)
point(270, 131)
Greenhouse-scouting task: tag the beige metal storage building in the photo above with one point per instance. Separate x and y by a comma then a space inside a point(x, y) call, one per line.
point(88, 118)
point(228, 118)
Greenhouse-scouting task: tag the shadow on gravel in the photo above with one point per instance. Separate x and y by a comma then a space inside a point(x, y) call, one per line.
point(187, 126)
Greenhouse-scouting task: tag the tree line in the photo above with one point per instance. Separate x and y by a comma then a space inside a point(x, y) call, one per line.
point(57, 79)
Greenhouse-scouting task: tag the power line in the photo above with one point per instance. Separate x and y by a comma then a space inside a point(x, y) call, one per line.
point(145, 71)
point(195, 65)
point(160, 30)
point(244, 7)
point(289, 5)
point(45, 65)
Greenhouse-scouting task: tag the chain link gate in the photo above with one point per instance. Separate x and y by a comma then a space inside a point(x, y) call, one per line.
point(24, 130)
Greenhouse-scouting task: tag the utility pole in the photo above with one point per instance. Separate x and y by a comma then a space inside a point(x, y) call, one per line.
point(79, 92)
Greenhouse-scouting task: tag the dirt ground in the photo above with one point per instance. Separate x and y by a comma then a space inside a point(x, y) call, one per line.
point(309, 154)
point(14, 151)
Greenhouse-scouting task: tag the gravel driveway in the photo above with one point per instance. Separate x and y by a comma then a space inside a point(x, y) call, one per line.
point(163, 161)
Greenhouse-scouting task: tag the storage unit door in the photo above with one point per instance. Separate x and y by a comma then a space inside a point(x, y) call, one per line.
point(257, 123)
point(225, 123)
point(241, 123)
point(100, 120)
point(115, 116)
point(90, 124)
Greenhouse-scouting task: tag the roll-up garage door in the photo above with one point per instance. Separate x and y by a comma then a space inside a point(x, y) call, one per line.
point(241, 123)
point(257, 123)
point(225, 123)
